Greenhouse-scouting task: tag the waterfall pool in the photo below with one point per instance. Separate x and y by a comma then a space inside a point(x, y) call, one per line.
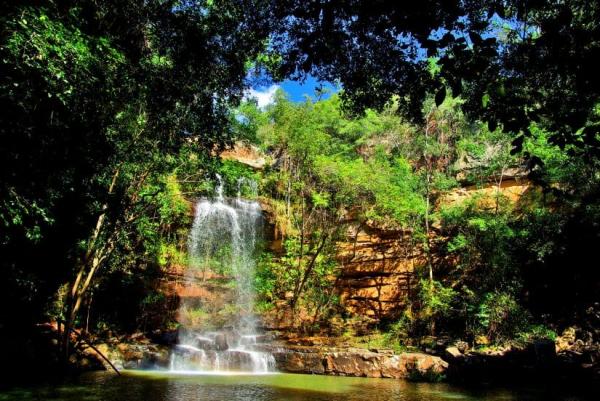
point(164, 386)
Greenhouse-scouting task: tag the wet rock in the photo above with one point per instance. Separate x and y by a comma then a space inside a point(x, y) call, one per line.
point(109, 352)
point(453, 353)
point(130, 352)
point(165, 337)
point(136, 356)
point(353, 364)
point(155, 359)
point(237, 360)
point(421, 366)
point(252, 340)
point(205, 343)
point(360, 363)
point(221, 342)
point(299, 362)
point(135, 364)
point(88, 364)
point(462, 346)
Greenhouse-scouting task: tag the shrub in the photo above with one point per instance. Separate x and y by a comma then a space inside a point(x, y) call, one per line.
point(500, 317)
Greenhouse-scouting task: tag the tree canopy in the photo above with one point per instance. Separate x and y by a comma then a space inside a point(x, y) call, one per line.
point(513, 61)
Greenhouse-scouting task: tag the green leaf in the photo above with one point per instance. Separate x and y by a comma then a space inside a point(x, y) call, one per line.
point(485, 100)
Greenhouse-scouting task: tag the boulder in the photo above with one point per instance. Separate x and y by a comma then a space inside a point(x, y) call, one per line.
point(421, 366)
point(299, 362)
point(453, 353)
point(353, 364)
point(165, 337)
point(462, 346)
point(221, 342)
point(392, 367)
point(136, 356)
point(205, 343)
point(130, 352)
point(155, 359)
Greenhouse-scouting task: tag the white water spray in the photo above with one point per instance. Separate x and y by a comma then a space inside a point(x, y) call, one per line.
point(223, 240)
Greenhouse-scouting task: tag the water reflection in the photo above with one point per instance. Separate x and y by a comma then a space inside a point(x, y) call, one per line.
point(154, 386)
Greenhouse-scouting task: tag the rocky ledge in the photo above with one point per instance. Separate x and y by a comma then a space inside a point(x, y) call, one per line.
point(320, 360)
point(359, 362)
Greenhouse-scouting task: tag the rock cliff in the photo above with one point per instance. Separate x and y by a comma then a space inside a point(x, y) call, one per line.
point(378, 264)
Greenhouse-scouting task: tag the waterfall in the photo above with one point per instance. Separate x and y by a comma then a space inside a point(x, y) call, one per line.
point(222, 244)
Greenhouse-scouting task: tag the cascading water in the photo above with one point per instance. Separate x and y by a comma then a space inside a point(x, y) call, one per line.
point(223, 242)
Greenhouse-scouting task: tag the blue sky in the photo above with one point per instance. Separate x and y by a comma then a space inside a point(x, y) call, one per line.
point(297, 91)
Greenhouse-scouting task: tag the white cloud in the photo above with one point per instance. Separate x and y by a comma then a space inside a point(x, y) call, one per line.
point(264, 96)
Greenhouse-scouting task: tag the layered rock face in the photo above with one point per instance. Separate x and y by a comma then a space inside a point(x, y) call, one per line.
point(378, 264)
point(377, 270)
point(245, 154)
point(513, 189)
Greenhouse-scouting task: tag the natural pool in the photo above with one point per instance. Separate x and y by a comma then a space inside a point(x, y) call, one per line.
point(161, 386)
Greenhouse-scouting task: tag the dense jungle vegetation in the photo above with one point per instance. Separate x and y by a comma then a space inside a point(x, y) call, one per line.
point(114, 114)
point(492, 266)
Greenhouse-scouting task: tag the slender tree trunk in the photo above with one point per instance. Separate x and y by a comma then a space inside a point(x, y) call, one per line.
point(428, 168)
point(499, 189)
point(428, 173)
point(301, 253)
point(309, 268)
point(89, 265)
point(89, 309)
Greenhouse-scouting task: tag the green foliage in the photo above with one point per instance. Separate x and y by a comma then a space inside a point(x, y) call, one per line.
point(107, 122)
point(60, 53)
point(388, 172)
point(272, 278)
point(382, 188)
point(232, 172)
point(457, 243)
point(399, 332)
point(436, 300)
point(248, 119)
point(536, 332)
point(500, 317)
point(483, 240)
point(169, 255)
point(504, 62)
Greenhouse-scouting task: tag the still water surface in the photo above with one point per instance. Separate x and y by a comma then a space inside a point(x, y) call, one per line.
point(157, 386)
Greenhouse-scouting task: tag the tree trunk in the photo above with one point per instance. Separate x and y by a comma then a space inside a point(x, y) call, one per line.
point(428, 171)
point(89, 265)
point(300, 285)
point(428, 168)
